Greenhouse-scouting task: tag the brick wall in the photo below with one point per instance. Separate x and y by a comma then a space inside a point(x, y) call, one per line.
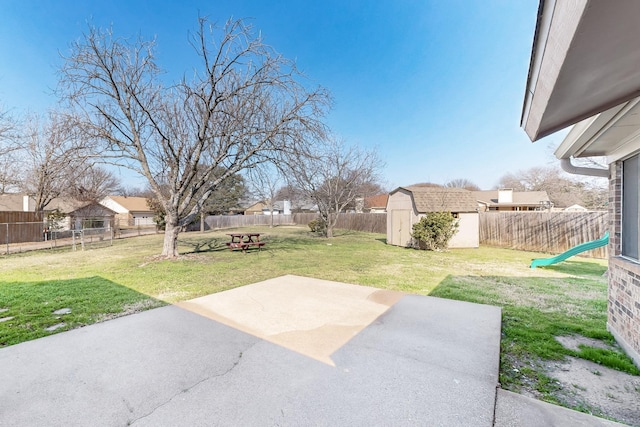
point(624, 277)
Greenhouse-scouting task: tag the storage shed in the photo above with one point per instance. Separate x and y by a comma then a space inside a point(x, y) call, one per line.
point(406, 205)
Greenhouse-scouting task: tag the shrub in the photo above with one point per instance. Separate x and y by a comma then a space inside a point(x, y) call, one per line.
point(318, 226)
point(434, 230)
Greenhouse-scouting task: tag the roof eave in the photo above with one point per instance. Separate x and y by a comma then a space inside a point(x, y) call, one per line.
point(583, 62)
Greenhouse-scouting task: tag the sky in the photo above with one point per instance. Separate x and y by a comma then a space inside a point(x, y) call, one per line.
point(435, 86)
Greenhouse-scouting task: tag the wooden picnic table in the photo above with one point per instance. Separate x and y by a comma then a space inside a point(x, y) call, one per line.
point(244, 241)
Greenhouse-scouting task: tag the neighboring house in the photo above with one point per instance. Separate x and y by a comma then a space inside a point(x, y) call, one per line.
point(255, 209)
point(304, 207)
point(78, 215)
point(284, 207)
point(17, 202)
point(81, 215)
point(406, 205)
point(279, 208)
point(130, 211)
point(585, 70)
point(508, 200)
point(376, 204)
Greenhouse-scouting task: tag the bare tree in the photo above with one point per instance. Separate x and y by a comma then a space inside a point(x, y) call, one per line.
point(462, 183)
point(244, 105)
point(294, 195)
point(563, 190)
point(335, 177)
point(265, 181)
point(8, 165)
point(9, 171)
point(93, 184)
point(427, 184)
point(133, 191)
point(6, 127)
point(50, 158)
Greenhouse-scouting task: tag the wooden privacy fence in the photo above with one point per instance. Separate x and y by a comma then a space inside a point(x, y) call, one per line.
point(19, 227)
point(552, 232)
point(375, 223)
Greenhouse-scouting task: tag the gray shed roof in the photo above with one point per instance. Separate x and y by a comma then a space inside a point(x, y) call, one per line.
point(441, 199)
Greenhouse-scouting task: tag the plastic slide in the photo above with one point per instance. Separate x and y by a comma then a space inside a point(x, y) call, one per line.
point(541, 262)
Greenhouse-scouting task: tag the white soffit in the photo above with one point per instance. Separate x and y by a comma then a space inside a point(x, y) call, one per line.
point(585, 60)
point(614, 133)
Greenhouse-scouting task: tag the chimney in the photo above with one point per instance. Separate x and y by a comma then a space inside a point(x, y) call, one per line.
point(25, 204)
point(286, 207)
point(505, 195)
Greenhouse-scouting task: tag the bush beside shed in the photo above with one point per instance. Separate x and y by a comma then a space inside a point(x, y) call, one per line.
point(406, 205)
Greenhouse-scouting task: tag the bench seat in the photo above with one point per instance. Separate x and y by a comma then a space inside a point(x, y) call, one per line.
point(244, 245)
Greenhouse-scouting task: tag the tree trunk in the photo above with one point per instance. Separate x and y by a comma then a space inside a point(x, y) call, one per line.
point(330, 223)
point(170, 245)
point(271, 223)
point(202, 222)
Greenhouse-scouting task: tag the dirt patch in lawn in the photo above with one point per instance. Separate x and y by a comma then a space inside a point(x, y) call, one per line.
point(581, 384)
point(598, 389)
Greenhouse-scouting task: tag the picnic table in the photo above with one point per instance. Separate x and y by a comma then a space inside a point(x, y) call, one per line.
point(244, 241)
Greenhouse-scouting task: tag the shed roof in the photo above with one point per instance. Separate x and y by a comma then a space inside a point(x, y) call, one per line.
point(441, 199)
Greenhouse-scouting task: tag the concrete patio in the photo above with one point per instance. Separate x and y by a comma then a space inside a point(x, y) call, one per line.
point(286, 351)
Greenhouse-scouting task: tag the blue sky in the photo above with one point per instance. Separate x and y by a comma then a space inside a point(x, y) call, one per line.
point(435, 86)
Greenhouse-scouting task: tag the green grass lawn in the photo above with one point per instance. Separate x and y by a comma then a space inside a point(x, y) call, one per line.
point(101, 283)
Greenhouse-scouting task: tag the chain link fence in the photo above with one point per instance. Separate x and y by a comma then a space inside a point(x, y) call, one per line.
point(27, 236)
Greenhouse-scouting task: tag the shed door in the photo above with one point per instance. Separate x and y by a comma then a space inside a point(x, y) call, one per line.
point(401, 223)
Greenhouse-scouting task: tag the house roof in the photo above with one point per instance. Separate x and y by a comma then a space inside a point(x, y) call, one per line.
point(379, 201)
point(441, 199)
point(12, 202)
point(256, 206)
point(132, 204)
point(65, 205)
point(584, 61)
point(519, 198)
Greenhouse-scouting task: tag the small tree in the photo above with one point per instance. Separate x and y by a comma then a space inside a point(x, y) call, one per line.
point(55, 222)
point(265, 180)
point(334, 176)
point(434, 230)
point(462, 183)
point(52, 160)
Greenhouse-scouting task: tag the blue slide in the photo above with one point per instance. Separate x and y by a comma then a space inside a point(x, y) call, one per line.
point(541, 262)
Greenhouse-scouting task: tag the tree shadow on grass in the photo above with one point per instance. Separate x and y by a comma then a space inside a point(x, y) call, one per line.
point(32, 306)
point(203, 244)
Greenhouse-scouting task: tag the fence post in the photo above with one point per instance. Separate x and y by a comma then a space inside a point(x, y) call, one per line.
point(7, 238)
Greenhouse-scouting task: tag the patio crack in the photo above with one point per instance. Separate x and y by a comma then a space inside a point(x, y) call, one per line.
point(187, 390)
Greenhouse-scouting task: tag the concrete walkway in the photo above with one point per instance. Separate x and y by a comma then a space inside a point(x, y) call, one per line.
point(287, 351)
